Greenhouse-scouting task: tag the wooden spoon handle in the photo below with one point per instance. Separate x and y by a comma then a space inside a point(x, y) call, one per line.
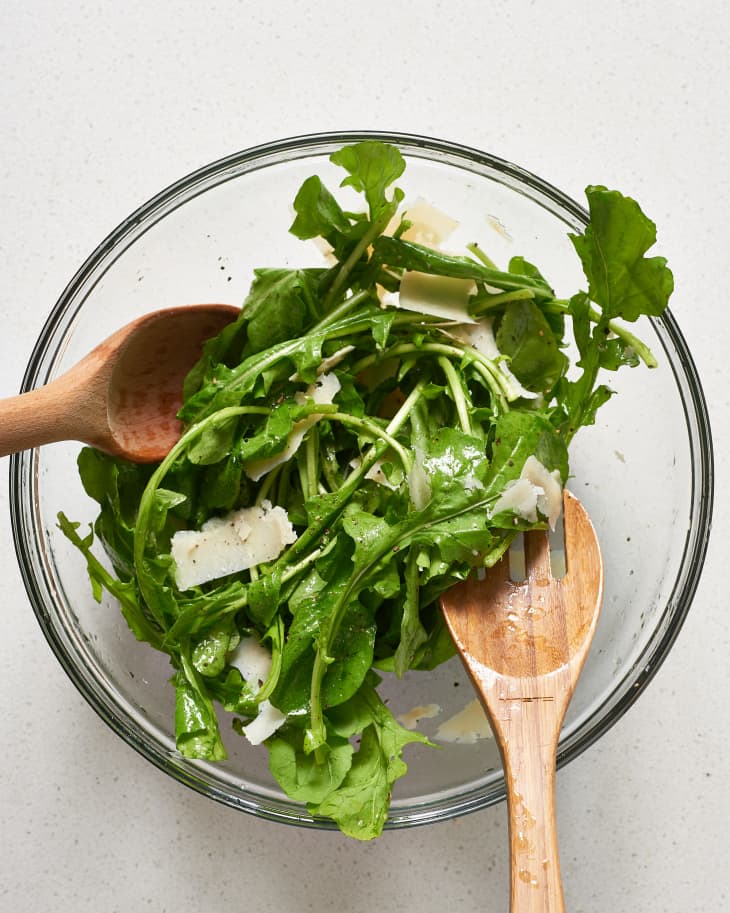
point(57, 412)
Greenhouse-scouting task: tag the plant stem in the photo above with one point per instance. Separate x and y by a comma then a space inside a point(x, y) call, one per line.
point(457, 393)
point(615, 326)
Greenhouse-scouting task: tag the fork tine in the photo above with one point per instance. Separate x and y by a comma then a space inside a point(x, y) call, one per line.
point(537, 555)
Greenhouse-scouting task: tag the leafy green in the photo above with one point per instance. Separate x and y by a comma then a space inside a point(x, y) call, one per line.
point(372, 168)
point(359, 804)
point(621, 280)
point(392, 489)
point(525, 336)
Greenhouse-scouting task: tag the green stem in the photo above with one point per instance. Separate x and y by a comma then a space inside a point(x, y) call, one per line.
point(373, 429)
point(484, 304)
point(311, 454)
point(340, 280)
point(497, 382)
point(351, 483)
point(342, 310)
point(268, 483)
point(295, 569)
point(615, 326)
point(481, 255)
point(457, 393)
point(276, 635)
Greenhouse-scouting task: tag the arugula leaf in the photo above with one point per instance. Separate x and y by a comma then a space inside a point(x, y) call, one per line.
point(196, 724)
point(394, 252)
point(525, 336)
point(360, 804)
point(278, 305)
point(319, 215)
point(210, 653)
point(372, 168)
point(299, 774)
point(622, 281)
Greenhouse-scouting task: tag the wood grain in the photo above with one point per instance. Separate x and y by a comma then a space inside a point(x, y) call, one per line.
point(524, 645)
point(123, 396)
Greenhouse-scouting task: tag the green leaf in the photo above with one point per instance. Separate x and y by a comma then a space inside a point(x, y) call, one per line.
point(142, 626)
point(360, 804)
point(621, 280)
point(278, 305)
point(209, 654)
point(319, 215)
point(412, 632)
point(373, 166)
point(301, 776)
point(518, 435)
point(196, 725)
point(525, 336)
point(215, 445)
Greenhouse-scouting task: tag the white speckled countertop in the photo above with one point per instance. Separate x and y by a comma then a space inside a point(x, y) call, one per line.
point(104, 103)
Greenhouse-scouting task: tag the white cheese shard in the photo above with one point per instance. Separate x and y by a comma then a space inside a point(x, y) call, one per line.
point(480, 336)
point(429, 225)
point(252, 660)
point(436, 296)
point(466, 727)
point(225, 545)
point(377, 474)
point(331, 361)
point(411, 718)
point(537, 489)
point(322, 391)
point(265, 724)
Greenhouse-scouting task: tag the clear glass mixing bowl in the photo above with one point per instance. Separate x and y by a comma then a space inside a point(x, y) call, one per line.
point(644, 471)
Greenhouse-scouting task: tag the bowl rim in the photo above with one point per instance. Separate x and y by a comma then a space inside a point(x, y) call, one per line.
point(23, 467)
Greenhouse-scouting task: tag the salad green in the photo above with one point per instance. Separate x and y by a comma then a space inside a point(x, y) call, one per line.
point(393, 484)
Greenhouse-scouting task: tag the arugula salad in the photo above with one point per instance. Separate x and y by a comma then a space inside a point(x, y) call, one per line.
point(369, 431)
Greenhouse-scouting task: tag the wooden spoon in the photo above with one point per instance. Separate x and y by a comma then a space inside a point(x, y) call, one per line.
point(524, 644)
point(123, 396)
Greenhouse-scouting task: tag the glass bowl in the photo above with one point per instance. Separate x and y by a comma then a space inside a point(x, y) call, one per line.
point(644, 471)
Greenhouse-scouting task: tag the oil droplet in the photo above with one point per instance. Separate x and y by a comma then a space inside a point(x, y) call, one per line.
point(527, 876)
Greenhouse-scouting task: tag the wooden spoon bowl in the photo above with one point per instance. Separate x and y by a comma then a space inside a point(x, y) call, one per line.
point(124, 395)
point(524, 644)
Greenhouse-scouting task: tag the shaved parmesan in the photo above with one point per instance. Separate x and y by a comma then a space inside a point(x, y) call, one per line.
point(264, 724)
point(429, 225)
point(467, 726)
point(252, 660)
point(377, 473)
point(537, 489)
point(411, 718)
point(322, 391)
point(436, 296)
point(480, 336)
point(225, 545)
point(550, 502)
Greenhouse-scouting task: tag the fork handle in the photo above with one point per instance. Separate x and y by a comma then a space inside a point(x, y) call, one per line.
point(526, 722)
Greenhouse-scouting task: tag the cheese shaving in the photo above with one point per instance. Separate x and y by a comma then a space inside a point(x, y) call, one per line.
point(225, 545)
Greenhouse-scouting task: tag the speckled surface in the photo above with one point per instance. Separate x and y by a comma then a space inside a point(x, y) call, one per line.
point(102, 104)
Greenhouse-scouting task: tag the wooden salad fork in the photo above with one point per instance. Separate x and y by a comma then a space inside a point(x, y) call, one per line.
point(524, 644)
